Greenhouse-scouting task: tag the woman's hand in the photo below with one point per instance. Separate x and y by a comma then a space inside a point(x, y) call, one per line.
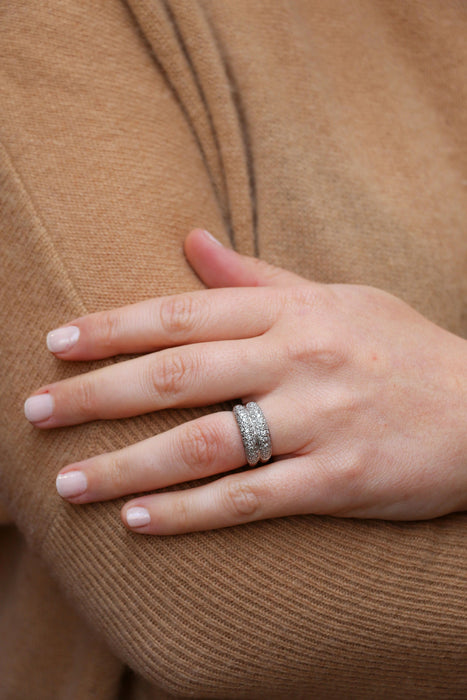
point(364, 397)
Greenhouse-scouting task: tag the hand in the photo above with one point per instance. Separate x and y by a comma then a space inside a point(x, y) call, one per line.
point(364, 397)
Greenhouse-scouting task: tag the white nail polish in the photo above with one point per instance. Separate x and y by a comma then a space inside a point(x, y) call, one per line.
point(38, 408)
point(137, 516)
point(62, 339)
point(211, 237)
point(71, 484)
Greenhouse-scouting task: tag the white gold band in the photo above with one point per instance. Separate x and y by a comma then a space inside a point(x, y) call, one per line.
point(254, 431)
point(263, 436)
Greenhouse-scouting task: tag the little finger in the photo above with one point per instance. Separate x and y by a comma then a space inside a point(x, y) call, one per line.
point(285, 487)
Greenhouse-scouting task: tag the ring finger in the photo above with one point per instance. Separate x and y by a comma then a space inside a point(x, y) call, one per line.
point(208, 445)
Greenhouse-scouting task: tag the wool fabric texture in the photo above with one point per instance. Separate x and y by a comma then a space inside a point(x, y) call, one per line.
point(327, 137)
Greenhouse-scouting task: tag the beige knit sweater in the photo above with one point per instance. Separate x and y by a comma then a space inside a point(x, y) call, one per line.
point(327, 137)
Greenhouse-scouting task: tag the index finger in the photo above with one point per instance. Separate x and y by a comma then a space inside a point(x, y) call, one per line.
point(161, 322)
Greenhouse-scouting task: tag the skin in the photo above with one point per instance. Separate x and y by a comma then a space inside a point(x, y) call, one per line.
point(365, 399)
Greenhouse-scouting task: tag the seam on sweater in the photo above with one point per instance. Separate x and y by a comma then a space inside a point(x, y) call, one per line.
point(38, 223)
point(199, 87)
point(242, 121)
point(178, 99)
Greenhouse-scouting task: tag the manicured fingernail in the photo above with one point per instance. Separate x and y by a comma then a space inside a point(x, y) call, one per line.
point(211, 237)
point(62, 339)
point(71, 484)
point(137, 516)
point(38, 408)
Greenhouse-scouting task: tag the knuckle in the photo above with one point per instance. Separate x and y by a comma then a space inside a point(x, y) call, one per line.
point(302, 299)
point(199, 448)
point(167, 375)
point(310, 295)
point(85, 398)
point(352, 468)
point(322, 349)
point(240, 500)
point(265, 270)
point(110, 328)
point(180, 512)
point(116, 471)
point(176, 314)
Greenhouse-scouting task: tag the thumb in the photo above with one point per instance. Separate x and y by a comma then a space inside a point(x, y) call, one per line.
point(218, 266)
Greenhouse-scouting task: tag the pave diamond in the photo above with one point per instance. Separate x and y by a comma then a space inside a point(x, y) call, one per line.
point(248, 434)
point(254, 431)
point(263, 436)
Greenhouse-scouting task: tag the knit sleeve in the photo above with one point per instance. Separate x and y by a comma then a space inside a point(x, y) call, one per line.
point(121, 128)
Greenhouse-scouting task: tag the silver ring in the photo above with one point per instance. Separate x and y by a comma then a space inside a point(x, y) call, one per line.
point(263, 436)
point(255, 433)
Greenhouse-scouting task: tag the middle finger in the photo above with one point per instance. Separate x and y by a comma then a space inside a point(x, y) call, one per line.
point(192, 375)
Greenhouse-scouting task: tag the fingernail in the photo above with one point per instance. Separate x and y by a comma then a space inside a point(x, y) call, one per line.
point(137, 516)
point(62, 339)
point(211, 237)
point(38, 408)
point(71, 484)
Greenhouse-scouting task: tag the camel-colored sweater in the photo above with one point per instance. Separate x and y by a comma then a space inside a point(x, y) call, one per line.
point(327, 137)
